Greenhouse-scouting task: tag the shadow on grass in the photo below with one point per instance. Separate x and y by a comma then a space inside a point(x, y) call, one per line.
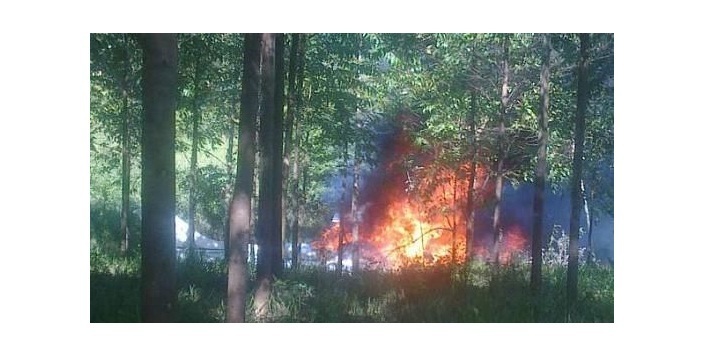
point(414, 294)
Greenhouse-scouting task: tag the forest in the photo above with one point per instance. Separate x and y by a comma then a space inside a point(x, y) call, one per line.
point(345, 177)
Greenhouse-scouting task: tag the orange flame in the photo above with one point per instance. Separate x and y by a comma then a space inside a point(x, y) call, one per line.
point(421, 217)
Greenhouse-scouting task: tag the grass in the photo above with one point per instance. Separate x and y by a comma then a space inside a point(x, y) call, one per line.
point(414, 294)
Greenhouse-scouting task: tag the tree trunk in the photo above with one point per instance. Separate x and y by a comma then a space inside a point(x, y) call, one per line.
point(190, 239)
point(454, 224)
point(228, 188)
point(341, 242)
point(192, 178)
point(504, 103)
point(588, 218)
point(287, 204)
point(125, 151)
point(356, 127)
point(581, 105)
point(354, 209)
point(540, 174)
point(158, 248)
point(278, 151)
point(267, 225)
point(470, 206)
point(240, 208)
point(299, 89)
point(591, 255)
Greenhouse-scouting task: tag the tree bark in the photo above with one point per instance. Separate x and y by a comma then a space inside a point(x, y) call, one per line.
point(287, 196)
point(504, 103)
point(299, 89)
point(341, 242)
point(191, 233)
point(354, 209)
point(454, 224)
point(267, 230)
point(195, 120)
point(125, 149)
point(240, 208)
point(470, 205)
point(158, 253)
point(576, 201)
point(540, 173)
point(228, 188)
point(278, 230)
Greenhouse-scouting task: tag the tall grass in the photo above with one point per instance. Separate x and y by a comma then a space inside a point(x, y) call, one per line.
point(481, 293)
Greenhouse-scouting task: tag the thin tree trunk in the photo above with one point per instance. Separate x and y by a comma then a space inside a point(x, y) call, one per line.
point(196, 120)
point(191, 237)
point(267, 225)
point(540, 176)
point(240, 210)
point(591, 255)
point(354, 209)
point(341, 242)
point(470, 205)
point(454, 224)
point(356, 127)
point(581, 105)
point(287, 204)
point(278, 236)
point(228, 188)
point(504, 103)
point(299, 89)
point(588, 216)
point(158, 248)
point(125, 150)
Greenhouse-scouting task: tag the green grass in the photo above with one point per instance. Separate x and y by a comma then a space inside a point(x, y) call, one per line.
point(414, 294)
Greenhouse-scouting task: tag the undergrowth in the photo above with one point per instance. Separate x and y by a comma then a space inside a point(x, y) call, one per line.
point(482, 293)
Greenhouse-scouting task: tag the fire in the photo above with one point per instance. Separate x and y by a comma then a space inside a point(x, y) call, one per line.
point(514, 242)
point(419, 216)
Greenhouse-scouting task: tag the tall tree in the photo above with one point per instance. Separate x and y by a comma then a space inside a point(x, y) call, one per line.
point(196, 120)
point(540, 171)
point(342, 208)
point(277, 155)
point(295, 125)
point(240, 209)
point(470, 203)
point(288, 139)
point(269, 229)
point(158, 248)
point(125, 147)
point(354, 209)
point(576, 193)
point(499, 171)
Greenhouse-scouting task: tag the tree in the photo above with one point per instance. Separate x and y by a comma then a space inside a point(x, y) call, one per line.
point(576, 198)
point(287, 196)
point(269, 218)
point(295, 128)
point(158, 248)
point(240, 208)
point(277, 155)
point(115, 128)
point(470, 206)
point(540, 172)
point(197, 45)
point(125, 147)
point(499, 171)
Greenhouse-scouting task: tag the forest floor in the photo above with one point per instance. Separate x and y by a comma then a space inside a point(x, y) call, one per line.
point(414, 294)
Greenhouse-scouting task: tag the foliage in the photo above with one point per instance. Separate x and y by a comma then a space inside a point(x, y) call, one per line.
point(413, 294)
point(356, 87)
point(105, 228)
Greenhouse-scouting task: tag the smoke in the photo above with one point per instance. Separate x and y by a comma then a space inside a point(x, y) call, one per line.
point(388, 180)
point(517, 210)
